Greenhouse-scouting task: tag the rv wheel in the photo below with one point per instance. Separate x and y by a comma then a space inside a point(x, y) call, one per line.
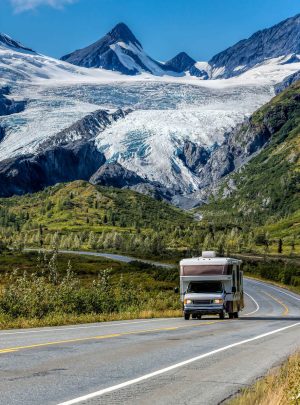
point(186, 317)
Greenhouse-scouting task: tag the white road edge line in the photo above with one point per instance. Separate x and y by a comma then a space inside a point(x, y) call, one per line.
point(255, 302)
point(170, 368)
point(101, 324)
point(275, 288)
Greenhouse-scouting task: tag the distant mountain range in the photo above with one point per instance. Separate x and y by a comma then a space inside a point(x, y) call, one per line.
point(119, 50)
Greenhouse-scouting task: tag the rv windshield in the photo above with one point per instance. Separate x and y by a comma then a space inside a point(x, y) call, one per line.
point(199, 287)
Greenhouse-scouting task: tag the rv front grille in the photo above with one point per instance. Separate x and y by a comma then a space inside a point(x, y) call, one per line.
point(202, 302)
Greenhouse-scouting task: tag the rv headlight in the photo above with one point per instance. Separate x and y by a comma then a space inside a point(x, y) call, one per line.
point(218, 301)
point(187, 301)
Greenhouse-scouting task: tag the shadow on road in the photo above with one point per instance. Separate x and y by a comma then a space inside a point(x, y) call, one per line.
point(270, 318)
point(260, 318)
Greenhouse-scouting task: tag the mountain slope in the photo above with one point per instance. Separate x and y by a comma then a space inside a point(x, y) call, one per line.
point(265, 192)
point(280, 40)
point(94, 217)
point(8, 42)
point(287, 82)
point(119, 50)
point(68, 156)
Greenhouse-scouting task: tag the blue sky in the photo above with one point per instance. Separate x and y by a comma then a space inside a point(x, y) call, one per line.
point(165, 27)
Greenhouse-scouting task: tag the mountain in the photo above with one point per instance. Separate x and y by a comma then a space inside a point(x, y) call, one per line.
point(183, 63)
point(265, 191)
point(8, 42)
point(170, 138)
point(281, 40)
point(119, 50)
point(180, 63)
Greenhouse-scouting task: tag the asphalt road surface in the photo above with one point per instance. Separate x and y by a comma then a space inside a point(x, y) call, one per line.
point(161, 361)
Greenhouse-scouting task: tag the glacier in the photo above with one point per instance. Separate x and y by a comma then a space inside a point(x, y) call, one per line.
point(166, 110)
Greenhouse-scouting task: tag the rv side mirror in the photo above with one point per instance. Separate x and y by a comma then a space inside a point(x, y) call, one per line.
point(233, 290)
point(176, 290)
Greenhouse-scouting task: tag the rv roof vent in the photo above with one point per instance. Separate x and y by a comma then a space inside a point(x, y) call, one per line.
point(209, 254)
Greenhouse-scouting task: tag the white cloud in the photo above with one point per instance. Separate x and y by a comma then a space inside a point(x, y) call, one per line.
point(25, 5)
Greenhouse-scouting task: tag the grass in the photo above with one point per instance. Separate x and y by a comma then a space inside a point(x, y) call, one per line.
point(73, 319)
point(46, 292)
point(280, 387)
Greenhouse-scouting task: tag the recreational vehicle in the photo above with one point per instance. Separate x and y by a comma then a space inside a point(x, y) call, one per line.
point(211, 285)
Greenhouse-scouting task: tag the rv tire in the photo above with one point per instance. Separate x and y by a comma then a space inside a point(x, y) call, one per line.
point(186, 317)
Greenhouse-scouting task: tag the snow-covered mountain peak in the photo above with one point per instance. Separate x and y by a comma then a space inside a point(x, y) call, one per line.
point(7, 42)
point(119, 50)
point(121, 33)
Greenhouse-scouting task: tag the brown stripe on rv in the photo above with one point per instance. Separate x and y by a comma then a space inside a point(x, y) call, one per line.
point(205, 270)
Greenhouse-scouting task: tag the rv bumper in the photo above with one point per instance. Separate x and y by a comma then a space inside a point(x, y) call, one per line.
point(208, 310)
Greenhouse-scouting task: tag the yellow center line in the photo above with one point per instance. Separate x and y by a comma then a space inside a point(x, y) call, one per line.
point(110, 336)
point(286, 310)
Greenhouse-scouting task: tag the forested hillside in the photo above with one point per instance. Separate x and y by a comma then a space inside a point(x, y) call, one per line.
point(81, 215)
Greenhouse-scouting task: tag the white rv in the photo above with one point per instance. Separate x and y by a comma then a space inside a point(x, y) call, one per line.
point(211, 285)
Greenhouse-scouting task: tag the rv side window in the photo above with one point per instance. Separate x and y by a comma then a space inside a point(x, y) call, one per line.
point(234, 277)
point(238, 278)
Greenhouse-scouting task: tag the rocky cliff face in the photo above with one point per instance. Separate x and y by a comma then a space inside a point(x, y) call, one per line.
point(194, 156)
point(249, 138)
point(87, 128)
point(31, 173)
point(8, 106)
point(70, 155)
point(115, 175)
point(2, 133)
point(287, 82)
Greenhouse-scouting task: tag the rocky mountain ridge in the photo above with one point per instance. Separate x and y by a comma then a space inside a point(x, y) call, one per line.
point(280, 40)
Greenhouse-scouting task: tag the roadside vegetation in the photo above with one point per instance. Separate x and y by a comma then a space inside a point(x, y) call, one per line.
point(285, 272)
point(51, 292)
point(280, 387)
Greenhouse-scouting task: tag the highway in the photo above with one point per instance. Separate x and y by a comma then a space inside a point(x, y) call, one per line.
point(166, 361)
